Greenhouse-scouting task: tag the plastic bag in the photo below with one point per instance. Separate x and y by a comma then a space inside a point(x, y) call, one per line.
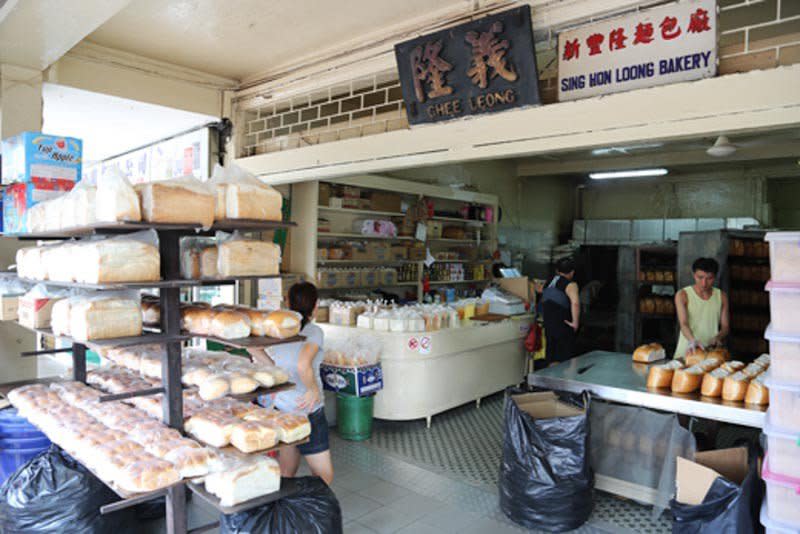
point(116, 199)
point(545, 480)
point(78, 206)
point(313, 508)
point(238, 255)
point(183, 200)
point(240, 195)
point(727, 507)
point(54, 493)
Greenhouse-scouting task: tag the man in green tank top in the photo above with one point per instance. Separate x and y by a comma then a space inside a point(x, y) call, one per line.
point(702, 309)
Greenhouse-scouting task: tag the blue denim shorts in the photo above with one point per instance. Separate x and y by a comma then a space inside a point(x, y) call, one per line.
point(318, 440)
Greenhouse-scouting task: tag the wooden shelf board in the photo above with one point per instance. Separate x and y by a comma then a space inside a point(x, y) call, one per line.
point(354, 211)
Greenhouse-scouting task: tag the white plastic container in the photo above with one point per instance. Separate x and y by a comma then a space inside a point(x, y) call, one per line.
point(784, 404)
point(784, 256)
point(783, 496)
point(770, 525)
point(784, 306)
point(784, 451)
point(785, 352)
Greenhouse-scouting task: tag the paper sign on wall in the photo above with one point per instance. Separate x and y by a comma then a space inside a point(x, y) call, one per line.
point(669, 44)
point(425, 345)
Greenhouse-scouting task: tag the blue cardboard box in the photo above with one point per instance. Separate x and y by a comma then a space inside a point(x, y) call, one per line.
point(358, 381)
point(34, 157)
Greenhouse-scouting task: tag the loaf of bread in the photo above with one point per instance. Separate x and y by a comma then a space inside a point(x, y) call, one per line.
point(59, 262)
point(660, 376)
point(160, 449)
point(197, 320)
point(229, 325)
point(177, 201)
point(694, 356)
point(212, 428)
point(734, 388)
point(147, 475)
point(104, 318)
point(117, 260)
point(649, 353)
point(289, 427)
point(209, 258)
point(248, 201)
point(687, 380)
point(245, 482)
point(241, 383)
point(252, 436)
point(59, 317)
point(248, 257)
point(116, 199)
point(190, 461)
point(30, 264)
point(757, 392)
point(151, 311)
point(712, 382)
point(190, 263)
point(214, 387)
point(733, 366)
point(720, 353)
point(257, 320)
point(282, 324)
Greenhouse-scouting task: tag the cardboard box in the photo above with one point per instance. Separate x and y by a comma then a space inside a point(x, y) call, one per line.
point(693, 479)
point(351, 203)
point(20, 197)
point(351, 278)
point(370, 278)
point(388, 277)
point(9, 305)
point(323, 314)
point(545, 405)
point(416, 253)
point(325, 191)
point(435, 229)
point(519, 287)
point(398, 252)
point(35, 312)
point(363, 203)
point(362, 252)
point(330, 279)
point(350, 191)
point(386, 202)
point(335, 202)
point(34, 157)
point(379, 251)
point(358, 381)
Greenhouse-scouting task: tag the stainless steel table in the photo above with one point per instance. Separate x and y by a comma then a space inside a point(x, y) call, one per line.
point(613, 376)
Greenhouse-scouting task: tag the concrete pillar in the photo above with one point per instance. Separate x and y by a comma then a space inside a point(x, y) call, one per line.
point(20, 110)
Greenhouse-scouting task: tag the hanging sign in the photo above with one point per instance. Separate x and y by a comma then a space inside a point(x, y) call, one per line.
point(478, 67)
point(669, 44)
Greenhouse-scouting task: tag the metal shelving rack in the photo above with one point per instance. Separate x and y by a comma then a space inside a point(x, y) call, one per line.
point(170, 335)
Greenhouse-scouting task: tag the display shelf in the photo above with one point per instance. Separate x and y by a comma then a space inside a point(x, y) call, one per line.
point(155, 284)
point(131, 394)
point(130, 341)
point(471, 222)
point(442, 282)
point(252, 342)
point(455, 241)
point(363, 212)
point(376, 286)
point(131, 499)
point(289, 486)
point(101, 228)
point(8, 386)
point(340, 235)
point(366, 262)
point(475, 262)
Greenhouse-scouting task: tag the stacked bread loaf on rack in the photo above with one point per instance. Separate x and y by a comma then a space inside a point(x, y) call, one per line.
point(235, 322)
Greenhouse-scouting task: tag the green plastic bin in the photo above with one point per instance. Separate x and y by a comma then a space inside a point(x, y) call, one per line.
point(354, 416)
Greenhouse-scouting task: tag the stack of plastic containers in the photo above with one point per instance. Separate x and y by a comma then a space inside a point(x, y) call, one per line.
point(19, 442)
point(781, 470)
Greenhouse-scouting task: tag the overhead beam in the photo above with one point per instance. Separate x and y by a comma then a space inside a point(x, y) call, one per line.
point(35, 33)
point(672, 159)
point(737, 103)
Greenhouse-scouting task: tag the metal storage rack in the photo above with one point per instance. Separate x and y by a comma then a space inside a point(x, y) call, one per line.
point(171, 336)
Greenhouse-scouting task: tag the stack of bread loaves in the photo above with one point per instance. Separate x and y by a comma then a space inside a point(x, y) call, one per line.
point(781, 470)
point(93, 261)
point(88, 318)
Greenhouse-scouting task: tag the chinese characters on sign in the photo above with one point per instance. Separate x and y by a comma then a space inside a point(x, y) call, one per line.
point(482, 66)
point(669, 44)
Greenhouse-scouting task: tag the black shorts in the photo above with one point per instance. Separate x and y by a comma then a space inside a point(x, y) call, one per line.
point(318, 440)
point(560, 348)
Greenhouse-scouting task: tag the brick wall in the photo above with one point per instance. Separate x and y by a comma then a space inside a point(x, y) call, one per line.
point(754, 34)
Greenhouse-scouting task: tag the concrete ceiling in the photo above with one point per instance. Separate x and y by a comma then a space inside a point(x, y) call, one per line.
point(240, 38)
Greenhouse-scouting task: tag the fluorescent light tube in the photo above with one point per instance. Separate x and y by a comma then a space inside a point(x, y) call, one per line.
point(637, 173)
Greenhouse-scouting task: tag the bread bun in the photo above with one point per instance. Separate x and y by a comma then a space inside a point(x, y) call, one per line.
point(694, 356)
point(733, 366)
point(196, 320)
point(712, 382)
point(230, 324)
point(215, 387)
point(687, 380)
point(252, 436)
point(721, 353)
point(282, 324)
point(735, 387)
point(257, 319)
point(241, 383)
point(649, 353)
point(757, 392)
point(660, 376)
point(147, 475)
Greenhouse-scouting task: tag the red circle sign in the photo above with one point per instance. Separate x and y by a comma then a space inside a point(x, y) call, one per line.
point(412, 343)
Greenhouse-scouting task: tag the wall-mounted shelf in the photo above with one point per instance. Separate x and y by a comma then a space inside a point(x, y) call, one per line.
point(362, 212)
point(338, 235)
point(450, 282)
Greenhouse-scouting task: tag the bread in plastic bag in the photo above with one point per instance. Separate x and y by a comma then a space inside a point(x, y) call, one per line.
point(240, 256)
point(240, 195)
point(116, 199)
point(183, 200)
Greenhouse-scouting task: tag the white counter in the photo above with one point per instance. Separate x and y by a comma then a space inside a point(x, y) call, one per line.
point(428, 373)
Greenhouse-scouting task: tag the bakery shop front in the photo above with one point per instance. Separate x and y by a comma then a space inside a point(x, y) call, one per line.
point(350, 277)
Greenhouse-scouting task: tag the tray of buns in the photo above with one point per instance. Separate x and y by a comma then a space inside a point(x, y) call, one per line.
point(613, 376)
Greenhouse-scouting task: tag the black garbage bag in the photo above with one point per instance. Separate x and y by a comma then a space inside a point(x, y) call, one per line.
point(727, 507)
point(53, 493)
point(313, 508)
point(545, 477)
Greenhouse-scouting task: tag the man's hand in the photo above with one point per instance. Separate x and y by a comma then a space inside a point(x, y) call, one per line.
point(573, 325)
point(696, 345)
point(308, 400)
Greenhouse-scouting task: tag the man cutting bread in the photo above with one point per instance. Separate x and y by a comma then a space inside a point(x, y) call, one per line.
point(702, 309)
